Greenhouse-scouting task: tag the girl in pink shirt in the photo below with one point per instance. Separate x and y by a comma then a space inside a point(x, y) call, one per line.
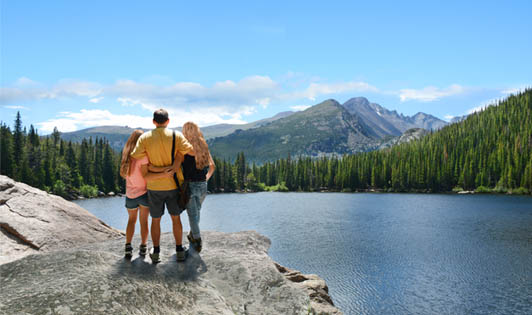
point(136, 193)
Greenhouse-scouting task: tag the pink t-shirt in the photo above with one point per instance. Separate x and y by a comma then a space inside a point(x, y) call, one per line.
point(135, 182)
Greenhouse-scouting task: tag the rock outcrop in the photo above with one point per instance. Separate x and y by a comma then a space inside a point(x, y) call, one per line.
point(233, 275)
point(33, 221)
point(57, 258)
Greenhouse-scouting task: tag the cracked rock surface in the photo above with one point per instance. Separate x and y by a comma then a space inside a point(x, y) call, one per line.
point(232, 275)
point(33, 221)
point(57, 258)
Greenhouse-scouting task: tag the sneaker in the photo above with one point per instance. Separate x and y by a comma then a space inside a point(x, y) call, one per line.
point(196, 242)
point(181, 254)
point(143, 249)
point(128, 251)
point(154, 257)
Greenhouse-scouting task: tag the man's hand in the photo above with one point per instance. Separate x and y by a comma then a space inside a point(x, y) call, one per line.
point(169, 172)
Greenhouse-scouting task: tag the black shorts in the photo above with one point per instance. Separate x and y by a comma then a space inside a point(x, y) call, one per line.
point(159, 198)
point(136, 202)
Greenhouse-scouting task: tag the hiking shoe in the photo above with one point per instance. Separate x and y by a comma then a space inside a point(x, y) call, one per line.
point(181, 254)
point(196, 242)
point(143, 249)
point(128, 251)
point(154, 257)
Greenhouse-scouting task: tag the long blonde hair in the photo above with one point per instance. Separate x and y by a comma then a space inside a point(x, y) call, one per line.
point(126, 152)
point(193, 134)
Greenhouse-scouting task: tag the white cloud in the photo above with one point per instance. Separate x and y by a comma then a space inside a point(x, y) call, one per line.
point(315, 90)
point(85, 118)
point(15, 107)
point(448, 117)
point(476, 109)
point(71, 121)
point(300, 107)
point(25, 89)
point(96, 100)
point(516, 90)
point(430, 93)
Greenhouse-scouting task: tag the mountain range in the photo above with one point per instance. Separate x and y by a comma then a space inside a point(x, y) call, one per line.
point(327, 128)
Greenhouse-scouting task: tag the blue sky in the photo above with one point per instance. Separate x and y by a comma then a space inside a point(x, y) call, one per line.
point(75, 64)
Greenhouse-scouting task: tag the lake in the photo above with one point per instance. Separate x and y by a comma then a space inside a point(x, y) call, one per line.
point(386, 253)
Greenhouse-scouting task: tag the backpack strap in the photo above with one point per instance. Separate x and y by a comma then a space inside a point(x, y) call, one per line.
point(173, 159)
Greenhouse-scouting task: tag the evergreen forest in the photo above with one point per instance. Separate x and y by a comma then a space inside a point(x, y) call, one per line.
point(489, 151)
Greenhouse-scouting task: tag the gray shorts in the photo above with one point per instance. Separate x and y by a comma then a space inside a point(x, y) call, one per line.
point(136, 202)
point(159, 198)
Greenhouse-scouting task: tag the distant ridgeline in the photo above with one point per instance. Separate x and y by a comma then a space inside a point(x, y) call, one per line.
point(487, 151)
point(52, 164)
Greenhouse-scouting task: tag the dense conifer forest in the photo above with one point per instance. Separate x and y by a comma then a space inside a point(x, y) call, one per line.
point(63, 168)
point(489, 151)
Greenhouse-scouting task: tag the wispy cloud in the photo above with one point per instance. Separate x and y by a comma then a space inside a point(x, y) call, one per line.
point(430, 93)
point(484, 105)
point(516, 90)
point(96, 100)
point(314, 90)
point(85, 118)
point(448, 117)
point(16, 107)
point(300, 107)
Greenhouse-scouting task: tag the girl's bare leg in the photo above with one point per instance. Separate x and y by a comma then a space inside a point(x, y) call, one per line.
point(130, 229)
point(143, 220)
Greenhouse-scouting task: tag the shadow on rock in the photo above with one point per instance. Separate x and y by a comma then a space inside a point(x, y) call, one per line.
point(169, 268)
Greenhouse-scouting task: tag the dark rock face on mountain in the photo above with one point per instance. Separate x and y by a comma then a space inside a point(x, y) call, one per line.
point(375, 116)
point(33, 221)
point(407, 136)
point(323, 129)
point(383, 122)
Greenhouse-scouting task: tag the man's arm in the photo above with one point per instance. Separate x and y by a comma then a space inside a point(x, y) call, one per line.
point(159, 169)
point(182, 145)
point(150, 176)
point(140, 150)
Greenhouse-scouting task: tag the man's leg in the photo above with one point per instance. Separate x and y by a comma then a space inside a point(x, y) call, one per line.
point(177, 228)
point(156, 201)
point(155, 231)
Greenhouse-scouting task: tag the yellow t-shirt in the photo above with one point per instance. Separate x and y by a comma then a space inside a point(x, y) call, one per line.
point(157, 145)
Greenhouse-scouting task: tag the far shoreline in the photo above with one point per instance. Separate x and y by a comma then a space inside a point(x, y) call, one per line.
point(368, 191)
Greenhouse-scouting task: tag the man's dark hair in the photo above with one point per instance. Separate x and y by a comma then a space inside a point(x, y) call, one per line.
point(160, 116)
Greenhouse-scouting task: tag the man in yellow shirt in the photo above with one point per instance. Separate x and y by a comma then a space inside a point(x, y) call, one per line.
point(157, 145)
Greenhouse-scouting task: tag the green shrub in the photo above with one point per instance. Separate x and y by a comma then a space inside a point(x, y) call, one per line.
point(88, 191)
point(59, 188)
point(499, 189)
point(260, 187)
point(279, 187)
point(482, 190)
point(519, 191)
point(457, 189)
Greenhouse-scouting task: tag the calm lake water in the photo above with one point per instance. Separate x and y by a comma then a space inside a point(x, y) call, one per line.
point(386, 253)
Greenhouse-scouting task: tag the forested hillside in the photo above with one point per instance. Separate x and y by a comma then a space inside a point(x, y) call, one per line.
point(488, 151)
point(61, 167)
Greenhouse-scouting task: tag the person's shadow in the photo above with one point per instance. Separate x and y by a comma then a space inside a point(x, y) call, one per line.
point(169, 268)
